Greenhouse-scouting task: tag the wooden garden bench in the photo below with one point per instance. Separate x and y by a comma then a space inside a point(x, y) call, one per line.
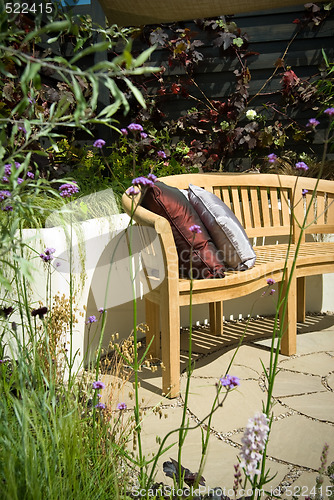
point(262, 204)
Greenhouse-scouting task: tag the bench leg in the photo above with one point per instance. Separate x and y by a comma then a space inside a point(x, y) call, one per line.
point(170, 345)
point(153, 322)
point(289, 327)
point(216, 318)
point(301, 296)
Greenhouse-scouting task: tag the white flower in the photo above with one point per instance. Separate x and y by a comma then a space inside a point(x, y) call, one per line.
point(251, 114)
point(254, 441)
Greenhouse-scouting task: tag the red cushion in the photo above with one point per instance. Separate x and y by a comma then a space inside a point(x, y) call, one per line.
point(170, 203)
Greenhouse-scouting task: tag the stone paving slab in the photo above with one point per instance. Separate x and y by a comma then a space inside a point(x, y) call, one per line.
point(310, 342)
point(300, 440)
point(219, 467)
point(330, 381)
point(304, 486)
point(293, 383)
point(318, 405)
point(241, 403)
point(315, 364)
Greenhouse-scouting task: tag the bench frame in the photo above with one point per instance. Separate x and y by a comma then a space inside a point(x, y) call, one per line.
point(262, 204)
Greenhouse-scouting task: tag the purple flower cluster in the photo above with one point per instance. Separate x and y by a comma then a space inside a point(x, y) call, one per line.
point(135, 127)
point(121, 406)
point(161, 154)
point(68, 190)
point(253, 444)
point(4, 194)
point(143, 181)
point(304, 192)
point(100, 406)
point(271, 281)
point(91, 319)
point(301, 166)
point(272, 158)
point(99, 143)
point(229, 381)
point(47, 255)
point(329, 111)
point(313, 122)
point(195, 229)
point(98, 385)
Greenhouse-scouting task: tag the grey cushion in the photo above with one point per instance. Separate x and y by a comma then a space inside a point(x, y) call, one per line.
point(224, 228)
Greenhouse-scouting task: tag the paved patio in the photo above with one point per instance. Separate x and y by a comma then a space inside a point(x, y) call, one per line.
point(303, 411)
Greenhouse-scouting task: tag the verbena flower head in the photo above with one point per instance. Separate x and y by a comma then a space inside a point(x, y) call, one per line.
point(142, 181)
point(132, 191)
point(195, 229)
point(271, 281)
point(91, 319)
point(8, 208)
point(47, 255)
point(101, 310)
point(121, 406)
point(100, 406)
point(161, 154)
point(124, 131)
point(329, 111)
point(19, 180)
point(272, 291)
point(304, 192)
point(229, 381)
point(98, 385)
point(272, 158)
point(135, 127)
point(301, 166)
point(4, 194)
point(99, 143)
point(8, 169)
point(143, 135)
point(68, 190)
point(31, 175)
point(253, 444)
point(251, 114)
point(5, 179)
point(313, 122)
point(152, 177)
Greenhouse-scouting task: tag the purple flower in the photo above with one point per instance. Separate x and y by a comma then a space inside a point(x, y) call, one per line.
point(253, 444)
point(329, 111)
point(100, 406)
point(132, 191)
point(272, 158)
point(152, 177)
point(68, 190)
point(304, 192)
point(30, 175)
point(39, 312)
point(301, 166)
point(229, 381)
point(121, 406)
point(195, 229)
point(5, 180)
point(161, 154)
point(98, 385)
point(19, 180)
point(99, 143)
point(143, 135)
point(313, 122)
point(4, 194)
point(135, 127)
point(91, 319)
point(142, 181)
point(47, 255)
point(8, 169)
point(271, 281)
point(8, 208)
point(124, 131)
point(272, 291)
point(22, 129)
point(101, 310)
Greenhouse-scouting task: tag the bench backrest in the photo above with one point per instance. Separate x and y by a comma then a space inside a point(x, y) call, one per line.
point(262, 202)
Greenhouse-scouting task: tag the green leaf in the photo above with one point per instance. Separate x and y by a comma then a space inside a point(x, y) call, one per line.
point(58, 26)
point(136, 92)
point(144, 56)
point(97, 47)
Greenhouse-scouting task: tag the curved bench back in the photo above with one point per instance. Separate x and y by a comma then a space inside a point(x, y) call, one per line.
point(262, 202)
